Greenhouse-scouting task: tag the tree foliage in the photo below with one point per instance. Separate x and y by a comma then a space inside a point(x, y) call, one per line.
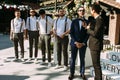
point(19, 1)
point(11, 1)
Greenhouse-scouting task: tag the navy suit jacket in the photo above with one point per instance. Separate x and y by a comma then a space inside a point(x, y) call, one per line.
point(77, 34)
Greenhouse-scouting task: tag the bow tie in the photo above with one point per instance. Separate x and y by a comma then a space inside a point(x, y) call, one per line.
point(82, 19)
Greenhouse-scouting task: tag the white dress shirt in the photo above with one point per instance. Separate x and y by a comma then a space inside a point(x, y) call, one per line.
point(80, 24)
point(59, 26)
point(42, 25)
point(31, 23)
point(17, 25)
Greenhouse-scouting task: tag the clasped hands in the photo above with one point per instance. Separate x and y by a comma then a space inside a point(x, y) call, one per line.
point(79, 45)
point(62, 36)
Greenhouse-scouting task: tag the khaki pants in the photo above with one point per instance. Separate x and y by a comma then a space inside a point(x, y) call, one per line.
point(45, 40)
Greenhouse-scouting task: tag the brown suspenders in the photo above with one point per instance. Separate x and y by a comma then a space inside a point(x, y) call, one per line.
point(65, 24)
point(30, 25)
point(20, 26)
point(46, 24)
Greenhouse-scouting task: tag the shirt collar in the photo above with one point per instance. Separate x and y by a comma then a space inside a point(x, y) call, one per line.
point(42, 18)
point(62, 17)
point(82, 18)
point(96, 16)
point(17, 18)
point(32, 17)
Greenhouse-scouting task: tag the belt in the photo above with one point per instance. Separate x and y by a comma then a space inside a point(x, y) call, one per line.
point(45, 34)
point(19, 33)
point(33, 31)
point(65, 36)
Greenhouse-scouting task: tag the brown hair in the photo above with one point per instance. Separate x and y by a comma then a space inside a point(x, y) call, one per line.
point(96, 7)
point(17, 10)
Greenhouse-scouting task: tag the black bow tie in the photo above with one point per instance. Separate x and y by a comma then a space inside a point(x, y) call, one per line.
point(82, 19)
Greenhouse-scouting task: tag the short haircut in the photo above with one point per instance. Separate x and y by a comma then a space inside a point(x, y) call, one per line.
point(80, 7)
point(60, 9)
point(32, 10)
point(17, 10)
point(96, 7)
point(42, 12)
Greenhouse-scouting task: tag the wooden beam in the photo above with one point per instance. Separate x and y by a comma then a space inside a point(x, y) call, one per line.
point(111, 3)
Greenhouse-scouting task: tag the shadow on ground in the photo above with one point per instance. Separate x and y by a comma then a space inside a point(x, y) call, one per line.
point(52, 75)
point(5, 42)
point(13, 77)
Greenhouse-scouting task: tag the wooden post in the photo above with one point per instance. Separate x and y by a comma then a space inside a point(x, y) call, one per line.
point(114, 29)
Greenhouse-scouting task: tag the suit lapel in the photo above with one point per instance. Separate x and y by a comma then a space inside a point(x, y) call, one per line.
point(78, 24)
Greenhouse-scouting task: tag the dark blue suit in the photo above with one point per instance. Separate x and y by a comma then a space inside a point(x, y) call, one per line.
point(78, 35)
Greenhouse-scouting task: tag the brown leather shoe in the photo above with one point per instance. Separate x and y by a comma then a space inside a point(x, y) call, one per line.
point(71, 76)
point(83, 77)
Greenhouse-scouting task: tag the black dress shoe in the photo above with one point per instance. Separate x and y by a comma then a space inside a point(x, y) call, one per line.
point(71, 76)
point(83, 77)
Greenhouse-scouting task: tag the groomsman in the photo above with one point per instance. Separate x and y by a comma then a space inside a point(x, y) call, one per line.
point(61, 30)
point(16, 34)
point(45, 26)
point(33, 32)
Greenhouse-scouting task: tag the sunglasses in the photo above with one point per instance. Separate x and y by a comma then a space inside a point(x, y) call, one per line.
point(81, 10)
point(32, 11)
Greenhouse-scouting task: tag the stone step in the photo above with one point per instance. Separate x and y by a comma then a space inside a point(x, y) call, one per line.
point(110, 70)
point(110, 66)
point(107, 75)
point(111, 55)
